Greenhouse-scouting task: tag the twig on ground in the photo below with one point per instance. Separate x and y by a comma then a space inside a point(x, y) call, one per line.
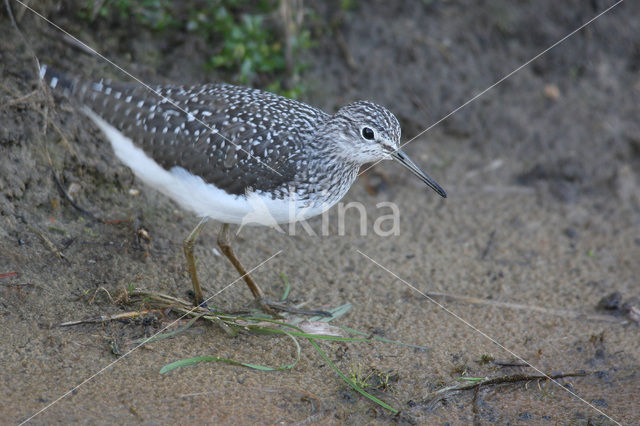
point(474, 407)
point(20, 100)
point(64, 140)
point(510, 364)
point(433, 398)
point(95, 293)
point(47, 242)
point(558, 312)
point(9, 274)
point(68, 197)
point(105, 318)
point(489, 246)
point(160, 302)
point(54, 174)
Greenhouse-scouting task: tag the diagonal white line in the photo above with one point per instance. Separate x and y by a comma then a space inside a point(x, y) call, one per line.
point(103, 369)
point(485, 335)
point(145, 85)
point(506, 76)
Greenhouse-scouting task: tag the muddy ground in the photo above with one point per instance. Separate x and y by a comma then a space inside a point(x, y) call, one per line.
point(541, 223)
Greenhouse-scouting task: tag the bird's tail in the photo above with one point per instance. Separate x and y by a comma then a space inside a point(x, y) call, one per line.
point(58, 80)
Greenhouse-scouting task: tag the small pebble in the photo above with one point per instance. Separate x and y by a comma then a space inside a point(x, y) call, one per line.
point(551, 91)
point(611, 302)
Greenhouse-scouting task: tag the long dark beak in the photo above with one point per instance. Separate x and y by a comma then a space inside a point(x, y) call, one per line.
point(403, 159)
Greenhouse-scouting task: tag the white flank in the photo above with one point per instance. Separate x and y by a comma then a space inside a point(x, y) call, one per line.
point(193, 193)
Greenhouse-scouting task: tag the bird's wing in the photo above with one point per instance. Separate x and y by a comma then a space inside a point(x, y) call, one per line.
point(238, 139)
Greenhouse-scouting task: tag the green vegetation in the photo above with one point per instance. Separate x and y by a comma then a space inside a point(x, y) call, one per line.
point(154, 14)
point(260, 323)
point(254, 43)
point(359, 378)
point(377, 379)
point(486, 359)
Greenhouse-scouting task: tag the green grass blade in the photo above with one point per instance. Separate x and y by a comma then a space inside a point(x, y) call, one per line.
point(350, 382)
point(383, 339)
point(196, 360)
point(298, 331)
point(472, 379)
point(287, 287)
point(336, 313)
point(269, 330)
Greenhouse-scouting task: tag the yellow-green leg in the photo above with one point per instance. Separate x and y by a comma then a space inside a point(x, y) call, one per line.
point(225, 246)
point(191, 263)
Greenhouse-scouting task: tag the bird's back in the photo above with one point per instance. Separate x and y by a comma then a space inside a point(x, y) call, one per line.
point(238, 139)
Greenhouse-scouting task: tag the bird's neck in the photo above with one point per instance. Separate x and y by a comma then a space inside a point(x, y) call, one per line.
point(328, 173)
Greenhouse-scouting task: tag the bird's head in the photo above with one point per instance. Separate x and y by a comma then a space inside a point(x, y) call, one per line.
point(363, 132)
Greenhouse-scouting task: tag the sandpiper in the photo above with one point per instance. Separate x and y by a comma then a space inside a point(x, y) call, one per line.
point(228, 153)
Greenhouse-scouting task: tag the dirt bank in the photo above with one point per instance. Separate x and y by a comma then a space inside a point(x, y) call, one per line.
point(541, 223)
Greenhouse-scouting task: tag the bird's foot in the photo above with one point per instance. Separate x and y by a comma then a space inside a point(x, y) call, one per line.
point(202, 304)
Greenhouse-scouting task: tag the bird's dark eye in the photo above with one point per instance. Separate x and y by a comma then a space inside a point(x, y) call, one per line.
point(367, 133)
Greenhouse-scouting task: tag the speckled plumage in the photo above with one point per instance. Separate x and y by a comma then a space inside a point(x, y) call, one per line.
point(242, 141)
point(248, 136)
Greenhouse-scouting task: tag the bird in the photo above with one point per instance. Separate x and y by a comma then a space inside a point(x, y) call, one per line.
point(228, 153)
